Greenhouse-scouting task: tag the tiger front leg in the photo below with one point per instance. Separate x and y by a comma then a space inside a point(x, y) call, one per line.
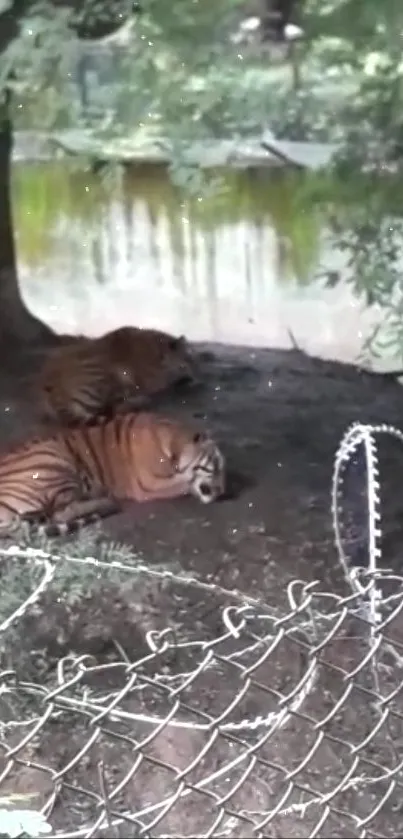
point(132, 401)
point(123, 399)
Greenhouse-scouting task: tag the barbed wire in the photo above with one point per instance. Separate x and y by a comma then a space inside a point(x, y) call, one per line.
point(280, 722)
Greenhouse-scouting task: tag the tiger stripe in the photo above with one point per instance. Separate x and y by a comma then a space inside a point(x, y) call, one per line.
point(138, 456)
point(92, 377)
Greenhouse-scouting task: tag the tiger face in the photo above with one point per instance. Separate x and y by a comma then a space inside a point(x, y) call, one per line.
point(177, 361)
point(148, 361)
point(202, 462)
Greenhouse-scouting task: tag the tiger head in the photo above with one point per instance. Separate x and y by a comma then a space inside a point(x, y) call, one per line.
point(178, 361)
point(151, 360)
point(201, 465)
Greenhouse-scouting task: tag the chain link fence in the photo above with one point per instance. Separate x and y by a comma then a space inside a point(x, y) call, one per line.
point(284, 723)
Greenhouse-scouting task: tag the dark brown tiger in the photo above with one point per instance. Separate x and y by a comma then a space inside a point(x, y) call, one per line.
point(85, 471)
point(93, 377)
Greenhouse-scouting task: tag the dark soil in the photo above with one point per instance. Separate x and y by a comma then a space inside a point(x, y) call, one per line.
point(279, 417)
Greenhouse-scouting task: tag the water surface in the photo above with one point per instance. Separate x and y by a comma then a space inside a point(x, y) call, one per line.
point(240, 267)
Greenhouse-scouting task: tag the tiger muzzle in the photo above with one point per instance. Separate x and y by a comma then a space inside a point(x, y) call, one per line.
point(210, 485)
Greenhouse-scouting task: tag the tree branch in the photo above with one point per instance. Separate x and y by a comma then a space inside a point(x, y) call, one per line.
point(94, 19)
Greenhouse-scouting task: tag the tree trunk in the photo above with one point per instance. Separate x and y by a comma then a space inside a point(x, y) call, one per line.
point(276, 14)
point(16, 323)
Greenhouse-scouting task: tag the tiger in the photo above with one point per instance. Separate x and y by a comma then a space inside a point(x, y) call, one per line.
point(94, 377)
point(88, 470)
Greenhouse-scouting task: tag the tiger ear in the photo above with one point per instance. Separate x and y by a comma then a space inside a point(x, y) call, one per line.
point(200, 437)
point(179, 343)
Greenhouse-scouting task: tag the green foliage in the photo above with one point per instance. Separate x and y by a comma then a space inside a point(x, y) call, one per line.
point(40, 64)
point(358, 22)
point(95, 18)
point(193, 33)
point(363, 203)
point(32, 58)
point(180, 75)
point(371, 234)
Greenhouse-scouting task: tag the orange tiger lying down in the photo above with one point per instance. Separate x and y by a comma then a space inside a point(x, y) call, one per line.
point(85, 471)
point(92, 376)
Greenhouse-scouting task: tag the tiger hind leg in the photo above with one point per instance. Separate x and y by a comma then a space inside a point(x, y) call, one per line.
point(83, 511)
point(19, 526)
point(60, 521)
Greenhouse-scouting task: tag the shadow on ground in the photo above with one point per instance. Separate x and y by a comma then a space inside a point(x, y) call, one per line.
point(279, 417)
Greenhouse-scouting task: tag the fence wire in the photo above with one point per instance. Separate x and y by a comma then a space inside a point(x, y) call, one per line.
point(282, 724)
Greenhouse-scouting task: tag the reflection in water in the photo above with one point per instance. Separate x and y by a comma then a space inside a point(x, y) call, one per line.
point(234, 268)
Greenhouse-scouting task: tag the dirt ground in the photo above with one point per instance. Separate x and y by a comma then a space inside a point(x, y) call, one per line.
point(279, 417)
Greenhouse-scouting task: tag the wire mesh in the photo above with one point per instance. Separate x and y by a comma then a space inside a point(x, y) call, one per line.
point(281, 723)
